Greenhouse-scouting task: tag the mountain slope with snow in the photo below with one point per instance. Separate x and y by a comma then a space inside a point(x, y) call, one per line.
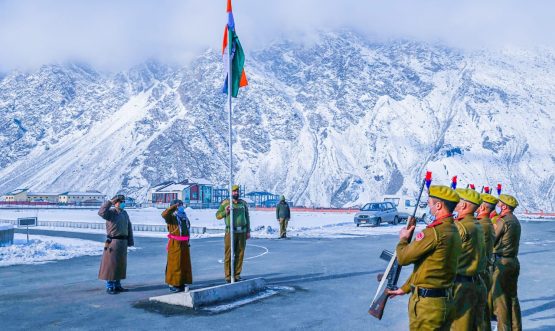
point(337, 122)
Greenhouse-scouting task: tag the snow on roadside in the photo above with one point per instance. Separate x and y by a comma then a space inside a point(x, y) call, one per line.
point(43, 249)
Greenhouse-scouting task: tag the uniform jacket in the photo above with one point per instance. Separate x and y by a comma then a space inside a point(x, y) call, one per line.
point(473, 254)
point(240, 216)
point(489, 237)
point(282, 210)
point(434, 252)
point(507, 236)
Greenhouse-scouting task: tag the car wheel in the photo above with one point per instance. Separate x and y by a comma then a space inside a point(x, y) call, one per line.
point(379, 222)
point(358, 224)
point(395, 220)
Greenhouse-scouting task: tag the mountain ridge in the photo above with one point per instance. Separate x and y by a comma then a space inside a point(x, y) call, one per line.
point(335, 123)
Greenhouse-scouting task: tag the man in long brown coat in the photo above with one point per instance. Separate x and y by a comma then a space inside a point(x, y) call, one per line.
point(178, 267)
point(119, 233)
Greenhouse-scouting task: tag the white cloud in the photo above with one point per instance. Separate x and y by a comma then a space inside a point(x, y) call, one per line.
point(114, 34)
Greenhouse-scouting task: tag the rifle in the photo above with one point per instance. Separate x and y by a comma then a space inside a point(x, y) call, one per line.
point(388, 280)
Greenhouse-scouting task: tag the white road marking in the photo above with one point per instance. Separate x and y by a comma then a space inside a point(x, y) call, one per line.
point(266, 251)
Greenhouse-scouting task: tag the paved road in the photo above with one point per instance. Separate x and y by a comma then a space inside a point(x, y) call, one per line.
point(334, 281)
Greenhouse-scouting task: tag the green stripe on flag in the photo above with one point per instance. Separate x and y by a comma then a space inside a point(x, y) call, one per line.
point(237, 65)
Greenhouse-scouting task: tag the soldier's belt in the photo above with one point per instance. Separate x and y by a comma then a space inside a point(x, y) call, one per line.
point(237, 228)
point(462, 279)
point(432, 292)
point(118, 237)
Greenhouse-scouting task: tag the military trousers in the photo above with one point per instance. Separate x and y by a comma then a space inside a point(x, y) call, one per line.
point(504, 294)
point(470, 302)
point(488, 312)
point(283, 226)
point(427, 313)
point(239, 242)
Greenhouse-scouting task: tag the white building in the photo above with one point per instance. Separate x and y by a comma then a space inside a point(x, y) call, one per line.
point(42, 197)
point(89, 197)
point(19, 194)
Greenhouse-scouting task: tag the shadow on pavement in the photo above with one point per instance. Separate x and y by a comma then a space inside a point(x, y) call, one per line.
point(316, 277)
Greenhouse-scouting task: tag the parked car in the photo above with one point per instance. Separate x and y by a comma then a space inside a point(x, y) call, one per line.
point(375, 213)
point(405, 206)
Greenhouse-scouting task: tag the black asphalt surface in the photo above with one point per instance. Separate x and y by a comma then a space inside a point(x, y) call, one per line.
point(334, 281)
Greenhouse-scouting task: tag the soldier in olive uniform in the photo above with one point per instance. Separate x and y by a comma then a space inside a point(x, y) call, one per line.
point(242, 230)
point(506, 268)
point(283, 214)
point(434, 252)
point(469, 290)
point(485, 209)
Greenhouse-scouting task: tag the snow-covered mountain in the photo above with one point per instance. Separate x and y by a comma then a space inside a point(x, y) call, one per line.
point(337, 122)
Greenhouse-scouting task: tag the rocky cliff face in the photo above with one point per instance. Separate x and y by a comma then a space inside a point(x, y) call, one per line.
point(335, 123)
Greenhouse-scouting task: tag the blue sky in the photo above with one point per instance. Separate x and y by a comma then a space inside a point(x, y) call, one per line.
point(116, 34)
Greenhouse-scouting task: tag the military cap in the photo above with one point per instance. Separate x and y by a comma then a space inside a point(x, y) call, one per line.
point(469, 195)
point(443, 193)
point(235, 188)
point(489, 198)
point(509, 200)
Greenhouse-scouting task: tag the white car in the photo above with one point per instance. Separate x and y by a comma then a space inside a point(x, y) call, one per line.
point(375, 213)
point(405, 206)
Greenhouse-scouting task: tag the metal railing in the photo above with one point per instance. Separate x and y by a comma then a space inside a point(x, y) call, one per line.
point(102, 226)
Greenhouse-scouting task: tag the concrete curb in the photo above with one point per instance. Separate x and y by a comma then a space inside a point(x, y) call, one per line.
point(213, 295)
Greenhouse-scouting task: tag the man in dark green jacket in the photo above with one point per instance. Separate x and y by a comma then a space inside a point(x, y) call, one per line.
point(241, 232)
point(283, 214)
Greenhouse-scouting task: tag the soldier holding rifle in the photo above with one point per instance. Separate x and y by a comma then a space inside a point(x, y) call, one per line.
point(434, 253)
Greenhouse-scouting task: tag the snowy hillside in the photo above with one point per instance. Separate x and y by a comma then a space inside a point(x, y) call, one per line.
point(337, 122)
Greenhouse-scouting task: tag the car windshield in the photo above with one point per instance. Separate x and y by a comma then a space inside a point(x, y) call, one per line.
point(371, 207)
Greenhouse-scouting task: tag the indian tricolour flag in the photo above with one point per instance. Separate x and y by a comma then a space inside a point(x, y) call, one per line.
point(239, 79)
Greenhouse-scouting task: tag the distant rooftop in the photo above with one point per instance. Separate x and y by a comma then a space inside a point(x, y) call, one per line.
point(42, 193)
point(17, 191)
point(173, 188)
point(90, 193)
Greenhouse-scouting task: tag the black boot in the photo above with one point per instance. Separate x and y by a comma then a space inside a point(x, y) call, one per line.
point(121, 289)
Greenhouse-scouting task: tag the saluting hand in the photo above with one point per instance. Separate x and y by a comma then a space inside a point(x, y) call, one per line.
point(406, 233)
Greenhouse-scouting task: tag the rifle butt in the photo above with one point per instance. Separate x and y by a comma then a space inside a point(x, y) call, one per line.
point(377, 308)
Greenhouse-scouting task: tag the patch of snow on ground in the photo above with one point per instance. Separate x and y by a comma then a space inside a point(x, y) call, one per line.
point(43, 249)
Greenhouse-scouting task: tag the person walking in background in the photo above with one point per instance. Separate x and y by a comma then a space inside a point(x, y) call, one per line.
point(283, 214)
point(178, 267)
point(119, 233)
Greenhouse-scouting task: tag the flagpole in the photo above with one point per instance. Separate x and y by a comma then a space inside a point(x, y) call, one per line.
point(229, 92)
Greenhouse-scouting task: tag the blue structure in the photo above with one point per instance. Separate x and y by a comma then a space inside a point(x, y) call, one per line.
point(263, 199)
